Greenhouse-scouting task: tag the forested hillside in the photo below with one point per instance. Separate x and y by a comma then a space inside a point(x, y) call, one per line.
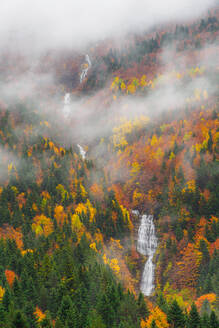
point(147, 114)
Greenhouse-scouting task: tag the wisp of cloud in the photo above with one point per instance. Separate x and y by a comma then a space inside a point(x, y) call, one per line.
point(35, 26)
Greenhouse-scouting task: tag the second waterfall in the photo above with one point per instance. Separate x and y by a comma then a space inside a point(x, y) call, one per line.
point(146, 245)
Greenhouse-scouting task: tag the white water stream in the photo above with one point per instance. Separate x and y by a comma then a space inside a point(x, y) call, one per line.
point(146, 245)
point(85, 69)
point(66, 112)
point(82, 151)
point(67, 102)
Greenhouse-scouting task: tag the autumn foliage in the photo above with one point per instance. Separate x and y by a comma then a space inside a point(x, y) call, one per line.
point(10, 276)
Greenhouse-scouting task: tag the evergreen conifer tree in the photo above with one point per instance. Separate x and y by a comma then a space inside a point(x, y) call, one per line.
point(6, 300)
point(205, 321)
point(214, 323)
point(153, 324)
point(193, 318)
point(19, 321)
point(142, 307)
point(176, 316)
point(65, 308)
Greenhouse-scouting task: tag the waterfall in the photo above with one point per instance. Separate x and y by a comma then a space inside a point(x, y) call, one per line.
point(82, 151)
point(146, 245)
point(66, 111)
point(85, 69)
point(67, 101)
point(135, 212)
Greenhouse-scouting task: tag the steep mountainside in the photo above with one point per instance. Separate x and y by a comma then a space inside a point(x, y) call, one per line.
point(78, 224)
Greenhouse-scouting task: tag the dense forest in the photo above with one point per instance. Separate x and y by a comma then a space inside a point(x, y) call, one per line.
point(68, 223)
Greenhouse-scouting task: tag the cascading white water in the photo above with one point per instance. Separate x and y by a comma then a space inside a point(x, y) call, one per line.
point(135, 212)
point(67, 101)
point(85, 69)
point(146, 245)
point(82, 151)
point(66, 111)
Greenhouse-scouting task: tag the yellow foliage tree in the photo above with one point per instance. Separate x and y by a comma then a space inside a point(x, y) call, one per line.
point(83, 191)
point(131, 88)
point(85, 209)
point(42, 225)
point(143, 81)
point(159, 154)
point(137, 197)
point(93, 246)
point(172, 155)
point(159, 317)
point(126, 217)
point(154, 140)
point(115, 266)
point(123, 86)
point(190, 186)
point(2, 291)
point(76, 223)
point(64, 194)
point(136, 167)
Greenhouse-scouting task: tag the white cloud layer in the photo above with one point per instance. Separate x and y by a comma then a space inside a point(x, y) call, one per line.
point(37, 25)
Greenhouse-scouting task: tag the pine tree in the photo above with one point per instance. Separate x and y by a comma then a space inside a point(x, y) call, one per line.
point(162, 303)
point(193, 318)
point(59, 324)
point(179, 232)
point(6, 299)
point(207, 287)
point(17, 291)
point(176, 316)
point(206, 308)
point(214, 323)
point(205, 321)
point(204, 249)
point(210, 142)
point(29, 310)
point(72, 320)
point(19, 321)
point(94, 320)
point(65, 308)
point(105, 309)
point(2, 315)
point(142, 307)
point(153, 324)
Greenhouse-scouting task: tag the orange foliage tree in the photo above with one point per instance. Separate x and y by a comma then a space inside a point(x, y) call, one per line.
point(60, 215)
point(188, 268)
point(39, 315)
point(210, 297)
point(10, 276)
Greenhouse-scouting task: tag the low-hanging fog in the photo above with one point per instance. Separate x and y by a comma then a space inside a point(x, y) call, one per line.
point(35, 26)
